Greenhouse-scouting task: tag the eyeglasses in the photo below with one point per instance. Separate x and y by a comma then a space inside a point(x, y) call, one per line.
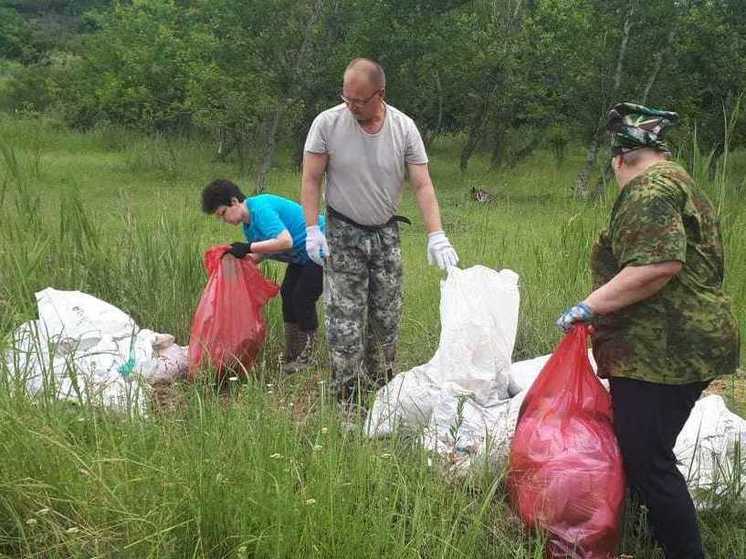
point(358, 102)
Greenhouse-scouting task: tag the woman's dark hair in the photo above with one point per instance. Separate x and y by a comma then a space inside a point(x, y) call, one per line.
point(219, 193)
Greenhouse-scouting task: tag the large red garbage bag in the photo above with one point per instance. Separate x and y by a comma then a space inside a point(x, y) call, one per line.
point(228, 328)
point(566, 475)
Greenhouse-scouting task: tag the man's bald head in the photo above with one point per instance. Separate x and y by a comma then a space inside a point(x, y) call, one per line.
point(372, 71)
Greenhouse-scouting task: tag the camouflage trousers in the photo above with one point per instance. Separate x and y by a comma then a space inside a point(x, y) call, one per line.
point(363, 296)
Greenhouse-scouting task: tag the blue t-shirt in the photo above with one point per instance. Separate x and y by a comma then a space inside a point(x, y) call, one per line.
point(270, 216)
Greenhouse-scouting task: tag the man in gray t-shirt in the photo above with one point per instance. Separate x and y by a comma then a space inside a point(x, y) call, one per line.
point(366, 148)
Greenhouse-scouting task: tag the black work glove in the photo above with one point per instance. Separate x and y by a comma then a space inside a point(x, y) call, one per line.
point(239, 250)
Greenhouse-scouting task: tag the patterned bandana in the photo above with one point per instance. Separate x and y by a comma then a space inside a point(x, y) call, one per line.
point(634, 126)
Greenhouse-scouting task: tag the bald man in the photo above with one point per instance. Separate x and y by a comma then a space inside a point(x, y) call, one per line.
point(365, 148)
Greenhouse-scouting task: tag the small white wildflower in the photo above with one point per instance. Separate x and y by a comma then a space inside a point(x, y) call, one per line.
point(276, 456)
point(31, 521)
point(317, 447)
point(73, 530)
point(270, 391)
point(386, 455)
point(291, 404)
point(233, 379)
point(325, 430)
point(310, 501)
point(270, 385)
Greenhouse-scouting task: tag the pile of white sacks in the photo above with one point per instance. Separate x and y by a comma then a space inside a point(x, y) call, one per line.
point(464, 403)
point(88, 351)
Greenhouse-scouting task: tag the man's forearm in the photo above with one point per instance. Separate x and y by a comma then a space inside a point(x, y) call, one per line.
point(309, 198)
point(428, 204)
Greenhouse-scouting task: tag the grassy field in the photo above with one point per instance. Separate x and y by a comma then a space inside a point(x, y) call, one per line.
point(267, 471)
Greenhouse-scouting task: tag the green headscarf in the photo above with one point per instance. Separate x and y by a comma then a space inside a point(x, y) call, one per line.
point(634, 126)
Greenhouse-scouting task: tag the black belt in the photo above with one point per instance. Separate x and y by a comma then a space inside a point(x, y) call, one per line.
point(331, 212)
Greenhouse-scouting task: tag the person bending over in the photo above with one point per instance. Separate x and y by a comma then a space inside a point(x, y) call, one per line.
point(275, 227)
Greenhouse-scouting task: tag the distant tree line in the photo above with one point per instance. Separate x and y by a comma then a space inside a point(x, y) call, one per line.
point(508, 76)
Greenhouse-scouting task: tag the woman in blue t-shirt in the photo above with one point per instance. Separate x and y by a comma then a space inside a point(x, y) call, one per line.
point(275, 228)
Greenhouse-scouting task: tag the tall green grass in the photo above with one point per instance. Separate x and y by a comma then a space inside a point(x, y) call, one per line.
point(238, 480)
point(267, 471)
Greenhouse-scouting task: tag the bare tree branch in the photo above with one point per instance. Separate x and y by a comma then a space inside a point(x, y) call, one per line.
point(659, 57)
point(270, 140)
point(582, 189)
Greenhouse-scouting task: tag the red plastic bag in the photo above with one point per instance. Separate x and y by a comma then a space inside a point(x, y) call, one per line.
point(228, 328)
point(566, 475)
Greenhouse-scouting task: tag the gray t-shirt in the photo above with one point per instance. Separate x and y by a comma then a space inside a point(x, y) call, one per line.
point(365, 173)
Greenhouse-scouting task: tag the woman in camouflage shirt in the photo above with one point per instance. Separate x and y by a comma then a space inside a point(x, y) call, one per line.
point(662, 326)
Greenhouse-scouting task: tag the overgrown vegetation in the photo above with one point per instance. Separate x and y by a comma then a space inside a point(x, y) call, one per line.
point(115, 114)
point(268, 470)
point(510, 77)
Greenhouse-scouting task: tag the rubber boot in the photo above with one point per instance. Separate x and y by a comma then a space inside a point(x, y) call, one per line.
point(304, 358)
point(291, 342)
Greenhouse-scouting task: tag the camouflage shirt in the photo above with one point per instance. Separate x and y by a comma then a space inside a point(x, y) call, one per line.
point(687, 331)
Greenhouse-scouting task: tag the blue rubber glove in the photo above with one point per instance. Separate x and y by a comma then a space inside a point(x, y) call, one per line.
point(579, 313)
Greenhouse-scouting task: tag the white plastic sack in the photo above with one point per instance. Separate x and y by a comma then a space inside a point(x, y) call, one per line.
point(86, 350)
point(522, 374)
point(75, 320)
point(709, 447)
point(465, 401)
point(476, 433)
point(479, 318)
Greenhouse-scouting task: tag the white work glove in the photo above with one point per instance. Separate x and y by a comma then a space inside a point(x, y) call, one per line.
point(440, 251)
point(316, 244)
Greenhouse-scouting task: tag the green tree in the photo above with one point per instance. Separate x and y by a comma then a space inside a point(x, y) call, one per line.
point(15, 35)
point(135, 68)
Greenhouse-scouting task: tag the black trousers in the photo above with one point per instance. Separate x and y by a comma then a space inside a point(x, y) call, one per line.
point(301, 288)
point(647, 418)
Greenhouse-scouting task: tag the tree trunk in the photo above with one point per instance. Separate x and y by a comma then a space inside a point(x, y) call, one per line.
point(526, 150)
point(582, 188)
point(658, 65)
point(227, 142)
point(472, 141)
point(581, 183)
point(430, 132)
point(300, 130)
point(260, 184)
point(607, 175)
point(476, 130)
point(498, 147)
point(274, 123)
point(241, 151)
